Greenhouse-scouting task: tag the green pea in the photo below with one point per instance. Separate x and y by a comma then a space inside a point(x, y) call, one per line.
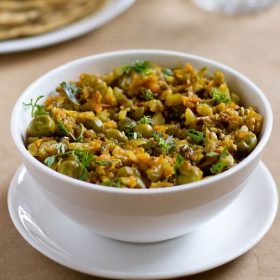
point(144, 129)
point(247, 145)
point(115, 134)
point(70, 168)
point(125, 171)
point(42, 125)
point(95, 124)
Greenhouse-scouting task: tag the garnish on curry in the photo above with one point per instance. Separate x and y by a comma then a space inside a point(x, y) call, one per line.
point(143, 126)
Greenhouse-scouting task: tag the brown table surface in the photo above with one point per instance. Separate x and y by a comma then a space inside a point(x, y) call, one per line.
point(250, 44)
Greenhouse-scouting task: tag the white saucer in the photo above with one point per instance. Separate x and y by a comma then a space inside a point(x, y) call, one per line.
point(224, 238)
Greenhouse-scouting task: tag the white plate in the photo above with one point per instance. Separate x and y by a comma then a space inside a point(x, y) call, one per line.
point(224, 238)
point(111, 9)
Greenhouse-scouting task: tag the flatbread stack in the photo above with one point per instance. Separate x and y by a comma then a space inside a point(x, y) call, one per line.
point(22, 18)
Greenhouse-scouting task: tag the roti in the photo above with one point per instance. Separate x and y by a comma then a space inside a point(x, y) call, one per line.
point(22, 18)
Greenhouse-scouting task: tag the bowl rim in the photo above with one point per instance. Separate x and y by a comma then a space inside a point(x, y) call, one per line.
point(266, 129)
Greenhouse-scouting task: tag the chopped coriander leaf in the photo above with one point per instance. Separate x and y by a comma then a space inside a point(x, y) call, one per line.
point(224, 152)
point(170, 140)
point(84, 157)
point(80, 138)
point(116, 182)
point(62, 127)
point(146, 120)
point(64, 130)
point(178, 162)
point(196, 136)
point(84, 174)
point(218, 167)
point(49, 161)
point(126, 69)
point(220, 97)
point(165, 145)
point(223, 162)
point(167, 72)
point(36, 109)
point(148, 95)
point(71, 90)
point(126, 125)
point(139, 66)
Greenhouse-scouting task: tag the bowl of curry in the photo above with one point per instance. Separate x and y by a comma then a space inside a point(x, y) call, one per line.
point(141, 145)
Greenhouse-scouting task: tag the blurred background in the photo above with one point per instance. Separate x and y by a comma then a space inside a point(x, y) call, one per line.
point(243, 34)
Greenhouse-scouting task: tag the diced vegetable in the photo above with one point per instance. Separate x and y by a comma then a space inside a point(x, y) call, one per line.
point(142, 126)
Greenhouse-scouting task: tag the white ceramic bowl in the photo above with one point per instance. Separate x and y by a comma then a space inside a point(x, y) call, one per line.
point(142, 215)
